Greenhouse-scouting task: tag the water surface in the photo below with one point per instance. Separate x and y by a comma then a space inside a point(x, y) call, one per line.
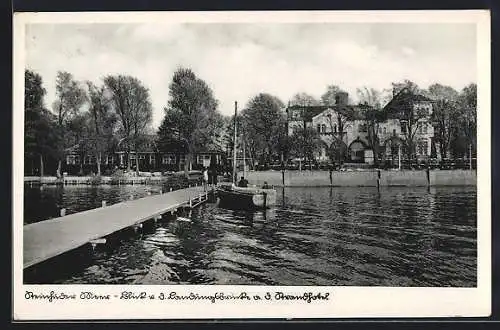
point(314, 236)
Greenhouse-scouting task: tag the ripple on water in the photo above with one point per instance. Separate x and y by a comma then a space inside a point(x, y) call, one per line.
point(316, 236)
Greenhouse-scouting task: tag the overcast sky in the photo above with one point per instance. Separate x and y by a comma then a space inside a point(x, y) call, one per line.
point(239, 61)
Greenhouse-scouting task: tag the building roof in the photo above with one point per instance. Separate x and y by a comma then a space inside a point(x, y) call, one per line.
point(353, 112)
point(401, 101)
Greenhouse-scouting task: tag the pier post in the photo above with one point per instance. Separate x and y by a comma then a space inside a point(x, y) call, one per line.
point(63, 212)
point(170, 189)
point(161, 191)
point(137, 226)
point(149, 193)
point(103, 204)
point(97, 241)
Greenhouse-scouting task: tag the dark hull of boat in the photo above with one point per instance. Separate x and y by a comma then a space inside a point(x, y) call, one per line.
point(247, 199)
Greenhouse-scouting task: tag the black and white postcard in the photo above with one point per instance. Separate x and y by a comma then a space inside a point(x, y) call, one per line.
point(174, 165)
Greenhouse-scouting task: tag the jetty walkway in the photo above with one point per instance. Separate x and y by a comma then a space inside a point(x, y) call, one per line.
point(46, 239)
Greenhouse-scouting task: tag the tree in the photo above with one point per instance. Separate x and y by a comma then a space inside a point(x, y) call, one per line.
point(78, 136)
point(262, 122)
point(374, 115)
point(445, 116)
point(305, 143)
point(370, 96)
point(468, 115)
point(405, 84)
point(134, 112)
point(39, 124)
point(191, 114)
point(70, 97)
point(410, 117)
point(329, 97)
point(304, 99)
point(102, 122)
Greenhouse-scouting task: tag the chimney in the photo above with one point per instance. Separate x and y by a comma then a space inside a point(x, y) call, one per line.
point(341, 98)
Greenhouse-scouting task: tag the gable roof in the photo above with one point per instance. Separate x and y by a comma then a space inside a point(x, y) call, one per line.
point(401, 100)
point(353, 112)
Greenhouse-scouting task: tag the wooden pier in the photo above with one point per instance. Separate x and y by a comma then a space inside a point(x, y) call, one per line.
point(47, 239)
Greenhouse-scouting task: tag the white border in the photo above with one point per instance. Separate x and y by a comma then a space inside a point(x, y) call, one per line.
point(345, 301)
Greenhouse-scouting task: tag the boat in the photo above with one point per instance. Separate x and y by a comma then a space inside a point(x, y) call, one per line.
point(244, 197)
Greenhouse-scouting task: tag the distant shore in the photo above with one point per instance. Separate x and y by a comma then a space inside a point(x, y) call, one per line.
point(113, 180)
point(306, 178)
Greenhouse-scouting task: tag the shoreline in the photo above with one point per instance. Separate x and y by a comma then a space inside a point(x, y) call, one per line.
point(382, 178)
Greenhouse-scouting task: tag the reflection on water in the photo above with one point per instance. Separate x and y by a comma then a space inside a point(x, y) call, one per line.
point(314, 236)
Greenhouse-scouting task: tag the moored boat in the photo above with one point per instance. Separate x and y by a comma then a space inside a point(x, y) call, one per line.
point(244, 197)
point(249, 197)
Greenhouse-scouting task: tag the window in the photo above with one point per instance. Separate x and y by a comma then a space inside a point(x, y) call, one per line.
point(182, 159)
point(334, 128)
point(199, 159)
point(422, 147)
point(168, 159)
point(70, 160)
point(362, 128)
point(151, 159)
point(142, 156)
point(385, 130)
point(403, 127)
point(323, 128)
point(318, 127)
point(109, 159)
point(87, 160)
point(132, 156)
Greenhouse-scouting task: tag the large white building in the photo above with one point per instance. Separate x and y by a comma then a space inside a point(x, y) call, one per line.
point(407, 117)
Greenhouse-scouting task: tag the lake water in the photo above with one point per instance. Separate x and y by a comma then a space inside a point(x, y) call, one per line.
point(313, 236)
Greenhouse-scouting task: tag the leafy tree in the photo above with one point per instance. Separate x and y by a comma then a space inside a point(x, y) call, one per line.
point(468, 116)
point(70, 97)
point(329, 97)
point(305, 143)
point(410, 117)
point(262, 122)
point(39, 124)
point(132, 104)
point(191, 115)
point(304, 99)
point(78, 136)
point(445, 116)
point(102, 122)
point(374, 115)
point(405, 84)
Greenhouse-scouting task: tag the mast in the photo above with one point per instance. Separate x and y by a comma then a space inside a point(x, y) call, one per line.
point(234, 141)
point(244, 157)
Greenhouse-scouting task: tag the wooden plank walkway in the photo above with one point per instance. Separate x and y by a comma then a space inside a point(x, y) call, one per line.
point(46, 239)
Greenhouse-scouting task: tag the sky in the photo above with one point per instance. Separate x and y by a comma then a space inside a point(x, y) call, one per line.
point(240, 60)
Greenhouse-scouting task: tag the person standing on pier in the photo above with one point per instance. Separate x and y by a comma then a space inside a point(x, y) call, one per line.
point(205, 178)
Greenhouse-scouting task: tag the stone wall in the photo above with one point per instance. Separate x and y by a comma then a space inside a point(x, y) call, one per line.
point(363, 178)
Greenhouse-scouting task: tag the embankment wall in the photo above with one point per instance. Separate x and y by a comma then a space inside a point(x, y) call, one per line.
point(364, 178)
